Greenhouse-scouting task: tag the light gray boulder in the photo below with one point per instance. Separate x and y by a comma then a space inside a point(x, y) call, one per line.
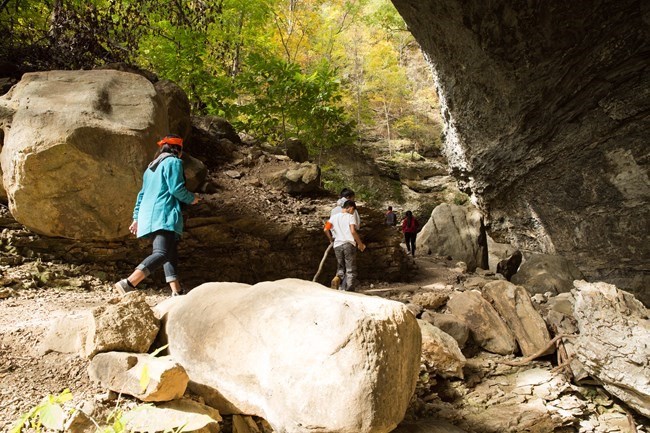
point(298, 354)
point(486, 327)
point(514, 305)
point(440, 351)
point(542, 273)
point(613, 344)
point(75, 146)
point(456, 231)
point(143, 376)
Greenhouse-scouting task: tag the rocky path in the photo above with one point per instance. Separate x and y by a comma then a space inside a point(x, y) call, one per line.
point(492, 397)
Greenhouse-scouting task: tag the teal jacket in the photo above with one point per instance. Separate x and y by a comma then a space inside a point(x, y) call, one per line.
point(158, 206)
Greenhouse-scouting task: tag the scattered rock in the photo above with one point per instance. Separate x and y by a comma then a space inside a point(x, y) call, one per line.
point(195, 172)
point(300, 180)
point(297, 150)
point(450, 324)
point(68, 334)
point(509, 267)
point(179, 415)
point(430, 300)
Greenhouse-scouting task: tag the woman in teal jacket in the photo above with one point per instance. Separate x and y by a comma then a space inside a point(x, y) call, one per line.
point(157, 214)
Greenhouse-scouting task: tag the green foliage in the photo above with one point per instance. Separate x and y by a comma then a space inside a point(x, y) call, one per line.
point(289, 103)
point(49, 414)
point(277, 69)
point(461, 199)
point(425, 134)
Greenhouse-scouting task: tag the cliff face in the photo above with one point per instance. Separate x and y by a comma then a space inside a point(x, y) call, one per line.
point(547, 108)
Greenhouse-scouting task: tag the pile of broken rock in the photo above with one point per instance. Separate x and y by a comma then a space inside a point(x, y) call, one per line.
point(293, 353)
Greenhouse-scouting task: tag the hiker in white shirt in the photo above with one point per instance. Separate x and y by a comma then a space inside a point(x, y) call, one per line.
point(341, 230)
point(346, 194)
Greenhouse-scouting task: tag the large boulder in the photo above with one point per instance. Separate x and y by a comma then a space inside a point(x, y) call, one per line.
point(613, 341)
point(76, 144)
point(456, 231)
point(300, 355)
point(542, 273)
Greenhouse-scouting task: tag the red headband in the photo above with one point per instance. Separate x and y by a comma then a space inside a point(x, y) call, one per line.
point(176, 141)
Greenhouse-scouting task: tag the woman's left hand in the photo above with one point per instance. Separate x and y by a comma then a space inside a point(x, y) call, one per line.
point(133, 228)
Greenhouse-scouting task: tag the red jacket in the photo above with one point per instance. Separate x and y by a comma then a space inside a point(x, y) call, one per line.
point(412, 228)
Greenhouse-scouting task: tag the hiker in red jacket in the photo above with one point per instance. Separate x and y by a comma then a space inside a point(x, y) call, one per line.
point(410, 229)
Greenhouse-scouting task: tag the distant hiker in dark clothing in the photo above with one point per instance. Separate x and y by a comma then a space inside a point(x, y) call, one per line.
point(391, 217)
point(410, 229)
point(341, 230)
point(157, 214)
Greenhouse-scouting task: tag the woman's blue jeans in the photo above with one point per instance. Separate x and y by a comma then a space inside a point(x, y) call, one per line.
point(165, 253)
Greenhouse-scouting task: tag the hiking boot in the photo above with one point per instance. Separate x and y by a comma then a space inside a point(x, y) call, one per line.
point(122, 287)
point(336, 282)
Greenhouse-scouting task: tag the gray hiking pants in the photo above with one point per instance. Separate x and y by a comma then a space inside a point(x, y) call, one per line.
point(346, 259)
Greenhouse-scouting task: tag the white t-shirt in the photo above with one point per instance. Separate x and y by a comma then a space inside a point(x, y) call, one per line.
point(339, 208)
point(341, 228)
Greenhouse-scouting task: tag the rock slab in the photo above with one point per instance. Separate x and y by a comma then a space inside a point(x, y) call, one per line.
point(514, 305)
point(613, 342)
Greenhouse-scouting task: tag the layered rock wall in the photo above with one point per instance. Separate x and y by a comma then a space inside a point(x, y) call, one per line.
point(546, 108)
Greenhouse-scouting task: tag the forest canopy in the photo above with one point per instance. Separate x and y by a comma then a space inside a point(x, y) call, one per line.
point(327, 72)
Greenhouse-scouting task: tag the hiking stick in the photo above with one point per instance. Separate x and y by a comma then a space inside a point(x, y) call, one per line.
point(322, 262)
